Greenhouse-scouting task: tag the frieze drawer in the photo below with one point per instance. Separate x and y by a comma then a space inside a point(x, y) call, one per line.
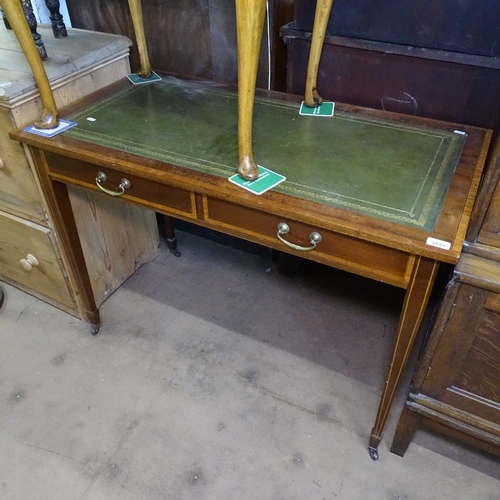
point(334, 249)
point(164, 198)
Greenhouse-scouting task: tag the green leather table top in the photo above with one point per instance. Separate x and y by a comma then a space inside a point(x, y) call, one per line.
point(385, 169)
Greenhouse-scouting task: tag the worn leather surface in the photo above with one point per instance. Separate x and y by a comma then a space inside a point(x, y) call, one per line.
point(381, 168)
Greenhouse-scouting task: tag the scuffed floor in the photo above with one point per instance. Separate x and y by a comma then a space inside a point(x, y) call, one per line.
point(215, 377)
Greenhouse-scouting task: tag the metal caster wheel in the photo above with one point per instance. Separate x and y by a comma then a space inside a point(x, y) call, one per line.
point(373, 453)
point(95, 329)
point(175, 253)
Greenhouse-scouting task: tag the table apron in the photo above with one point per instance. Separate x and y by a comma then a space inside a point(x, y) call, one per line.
point(361, 257)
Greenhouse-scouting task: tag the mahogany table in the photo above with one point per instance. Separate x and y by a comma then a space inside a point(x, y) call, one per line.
point(390, 195)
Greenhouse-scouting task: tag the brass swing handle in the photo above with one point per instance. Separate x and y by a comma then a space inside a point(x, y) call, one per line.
point(314, 237)
point(102, 177)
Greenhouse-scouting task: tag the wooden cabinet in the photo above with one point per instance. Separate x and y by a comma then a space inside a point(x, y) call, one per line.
point(434, 24)
point(456, 387)
point(31, 256)
point(411, 59)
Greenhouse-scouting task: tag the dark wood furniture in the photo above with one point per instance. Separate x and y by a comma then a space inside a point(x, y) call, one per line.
point(456, 387)
point(435, 59)
point(434, 24)
point(192, 184)
point(210, 27)
point(56, 19)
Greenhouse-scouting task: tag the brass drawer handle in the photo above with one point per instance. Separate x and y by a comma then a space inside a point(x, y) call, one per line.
point(314, 237)
point(101, 177)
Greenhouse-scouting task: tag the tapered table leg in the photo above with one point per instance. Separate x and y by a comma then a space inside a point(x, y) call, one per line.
point(170, 237)
point(416, 299)
point(135, 7)
point(250, 15)
point(18, 23)
point(63, 220)
point(323, 8)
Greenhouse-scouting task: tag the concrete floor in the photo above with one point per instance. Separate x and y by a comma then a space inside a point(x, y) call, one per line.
point(215, 377)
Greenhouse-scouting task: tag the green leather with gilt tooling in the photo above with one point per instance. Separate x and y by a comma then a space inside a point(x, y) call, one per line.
point(385, 169)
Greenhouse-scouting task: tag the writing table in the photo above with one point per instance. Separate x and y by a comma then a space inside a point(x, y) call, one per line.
point(390, 194)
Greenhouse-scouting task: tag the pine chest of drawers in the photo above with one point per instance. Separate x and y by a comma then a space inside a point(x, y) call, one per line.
point(31, 257)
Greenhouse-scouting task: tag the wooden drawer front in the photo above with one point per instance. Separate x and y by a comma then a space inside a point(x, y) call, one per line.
point(168, 199)
point(19, 238)
point(338, 250)
point(18, 191)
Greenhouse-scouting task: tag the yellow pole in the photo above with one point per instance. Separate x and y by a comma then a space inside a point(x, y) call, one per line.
point(138, 22)
point(18, 23)
point(323, 8)
point(250, 15)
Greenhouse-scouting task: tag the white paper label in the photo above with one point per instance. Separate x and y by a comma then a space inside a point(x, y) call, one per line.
point(433, 242)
